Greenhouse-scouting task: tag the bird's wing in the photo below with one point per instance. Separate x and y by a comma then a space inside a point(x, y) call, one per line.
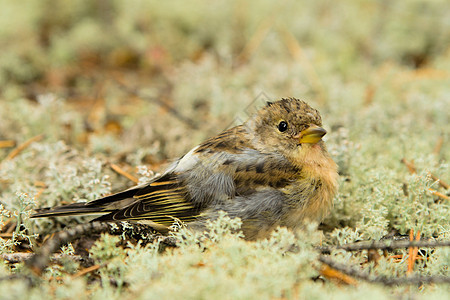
point(233, 153)
point(210, 174)
point(161, 201)
point(199, 180)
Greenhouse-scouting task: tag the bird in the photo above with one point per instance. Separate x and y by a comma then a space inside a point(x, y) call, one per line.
point(271, 171)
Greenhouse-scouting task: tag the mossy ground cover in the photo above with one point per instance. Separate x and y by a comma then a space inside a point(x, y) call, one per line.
point(134, 84)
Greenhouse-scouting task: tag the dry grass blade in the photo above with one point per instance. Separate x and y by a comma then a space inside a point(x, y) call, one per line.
point(87, 270)
point(6, 235)
point(412, 251)
point(23, 146)
point(409, 165)
point(441, 183)
point(124, 173)
point(7, 144)
point(440, 195)
point(412, 169)
point(337, 276)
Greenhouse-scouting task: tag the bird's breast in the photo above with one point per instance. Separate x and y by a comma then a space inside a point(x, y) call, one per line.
point(311, 196)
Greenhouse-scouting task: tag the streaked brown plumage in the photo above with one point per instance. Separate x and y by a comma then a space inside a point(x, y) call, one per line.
point(271, 171)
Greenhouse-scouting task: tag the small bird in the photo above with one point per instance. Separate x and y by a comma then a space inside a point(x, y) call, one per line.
point(273, 170)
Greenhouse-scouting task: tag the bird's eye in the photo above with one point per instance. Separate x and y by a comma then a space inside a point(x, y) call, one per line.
point(282, 126)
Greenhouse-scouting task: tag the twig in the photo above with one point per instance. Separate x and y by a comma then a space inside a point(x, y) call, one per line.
point(40, 184)
point(386, 245)
point(141, 232)
point(87, 270)
point(18, 257)
point(122, 172)
point(409, 165)
point(23, 146)
point(39, 262)
point(389, 281)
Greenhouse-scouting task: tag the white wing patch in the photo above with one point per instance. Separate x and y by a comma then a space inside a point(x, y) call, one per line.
point(187, 162)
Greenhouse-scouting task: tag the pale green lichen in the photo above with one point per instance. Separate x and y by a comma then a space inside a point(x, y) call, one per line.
point(377, 71)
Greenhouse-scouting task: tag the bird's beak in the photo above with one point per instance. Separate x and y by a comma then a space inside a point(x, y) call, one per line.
point(311, 135)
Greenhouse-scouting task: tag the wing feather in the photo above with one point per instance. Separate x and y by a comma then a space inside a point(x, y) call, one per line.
point(205, 178)
point(161, 201)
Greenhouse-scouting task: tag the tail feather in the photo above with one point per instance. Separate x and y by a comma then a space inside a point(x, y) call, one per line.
point(112, 203)
point(100, 206)
point(61, 211)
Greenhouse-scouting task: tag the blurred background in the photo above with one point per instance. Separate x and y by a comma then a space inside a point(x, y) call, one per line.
point(123, 75)
point(138, 83)
point(99, 95)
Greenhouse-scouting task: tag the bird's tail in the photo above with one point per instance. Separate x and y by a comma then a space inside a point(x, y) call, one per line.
point(100, 206)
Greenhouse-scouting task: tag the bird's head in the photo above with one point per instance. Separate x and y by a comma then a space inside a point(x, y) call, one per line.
point(290, 127)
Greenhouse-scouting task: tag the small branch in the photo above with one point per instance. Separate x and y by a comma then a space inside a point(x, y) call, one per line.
point(23, 146)
point(389, 281)
point(39, 262)
point(122, 172)
point(386, 245)
point(144, 233)
point(18, 257)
